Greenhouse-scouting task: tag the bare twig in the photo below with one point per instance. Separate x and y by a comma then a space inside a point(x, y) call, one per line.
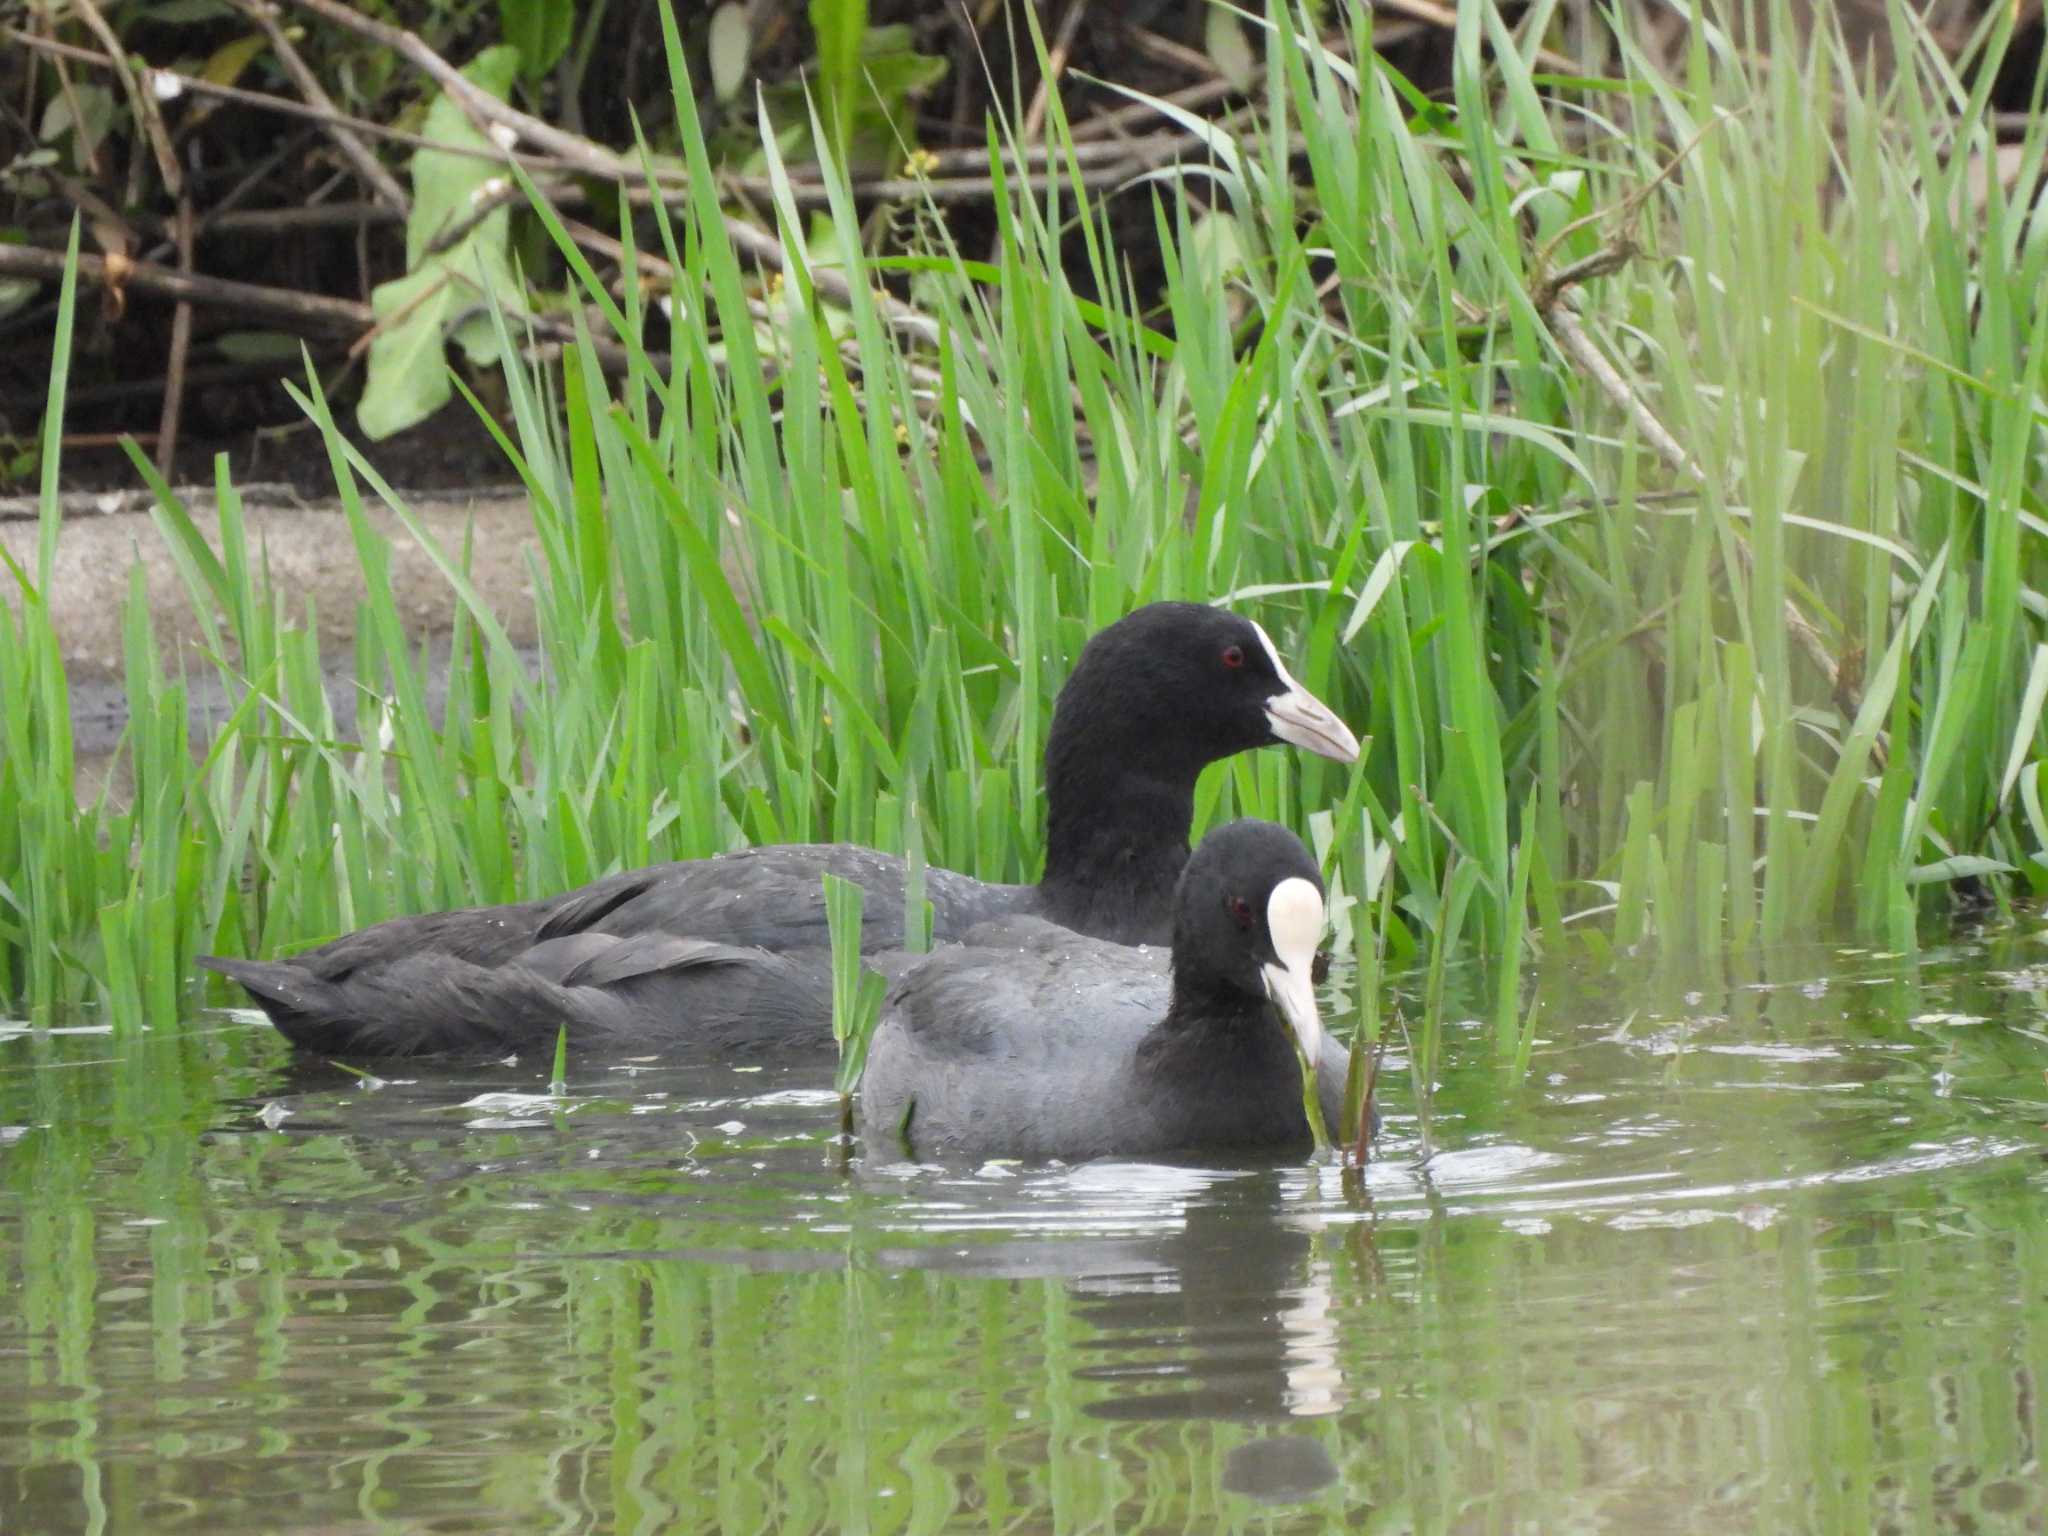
point(142, 103)
point(481, 106)
point(181, 347)
point(591, 159)
point(253, 180)
point(569, 153)
point(265, 101)
point(66, 87)
point(1105, 165)
point(1548, 287)
point(1578, 346)
point(1619, 248)
point(1055, 66)
point(1132, 159)
point(379, 180)
point(306, 311)
point(645, 262)
point(610, 356)
point(277, 222)
point(217, 373)
point(398, 316)
point(114, 235)
point(1022, 158)
point(481, 204)
point(1164, 50)
point(658, 269)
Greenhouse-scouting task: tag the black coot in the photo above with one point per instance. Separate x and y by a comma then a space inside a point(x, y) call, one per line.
point(732, 951)
point(1031, 1041)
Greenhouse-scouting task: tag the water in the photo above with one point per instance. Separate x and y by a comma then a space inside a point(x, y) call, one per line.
point(1765, 1255)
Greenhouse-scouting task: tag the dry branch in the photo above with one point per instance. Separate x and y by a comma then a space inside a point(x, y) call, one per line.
point(310, 313)
point(592, 159)
point(171, 80)
point(1055, 66)
point(181, 347)
point(140, 101)
point(346, 139)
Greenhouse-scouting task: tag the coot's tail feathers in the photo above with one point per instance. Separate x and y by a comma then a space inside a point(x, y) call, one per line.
point(645, 992)
point(422, 1006)
point(282, 990)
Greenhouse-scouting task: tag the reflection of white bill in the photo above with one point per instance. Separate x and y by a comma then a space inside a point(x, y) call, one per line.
point(1315, 1382)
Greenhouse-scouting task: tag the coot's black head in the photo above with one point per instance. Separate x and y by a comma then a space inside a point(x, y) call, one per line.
point(1183, 685)
point(1248, 916)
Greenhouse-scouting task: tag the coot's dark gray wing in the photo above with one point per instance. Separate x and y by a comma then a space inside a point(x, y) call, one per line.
point(773, 898)
point(1021, 1043)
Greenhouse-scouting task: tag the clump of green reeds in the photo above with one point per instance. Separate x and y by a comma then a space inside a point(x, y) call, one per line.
point(856, 991)
point(821, 575)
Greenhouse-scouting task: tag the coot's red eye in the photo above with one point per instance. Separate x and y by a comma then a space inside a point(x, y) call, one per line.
point(1242, 911)
point(1233, 656)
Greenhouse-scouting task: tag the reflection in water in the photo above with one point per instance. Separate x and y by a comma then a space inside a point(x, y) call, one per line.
point(1282, 1469)
point(1237, 1320)
point(1767, 1254)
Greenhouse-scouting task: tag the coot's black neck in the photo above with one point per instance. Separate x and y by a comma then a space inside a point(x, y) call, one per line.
point(1229, 1066)
point(1116, 839)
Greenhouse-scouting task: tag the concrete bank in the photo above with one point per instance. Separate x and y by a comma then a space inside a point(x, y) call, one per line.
point(310, 557)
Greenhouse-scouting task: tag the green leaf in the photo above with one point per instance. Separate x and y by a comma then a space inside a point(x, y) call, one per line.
point(539, 29)
point(839, 26)
point(1228, 49)
point(856, 991)
point(2030, 719)
point(256, 346)
point(93, 117)
point(558, 1081)
point(443, 183)
point(407, 381)
point(227, 62)
point(732, 49)
point(1957, 867)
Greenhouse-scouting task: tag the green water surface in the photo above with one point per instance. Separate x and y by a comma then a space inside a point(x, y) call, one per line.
point(1765, 1254)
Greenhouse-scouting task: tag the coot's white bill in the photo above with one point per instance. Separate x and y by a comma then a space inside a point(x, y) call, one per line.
point(1294, 916)
point(1301, 719)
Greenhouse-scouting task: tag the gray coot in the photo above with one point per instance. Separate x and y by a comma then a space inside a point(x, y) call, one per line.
point(732, 952)
point(1031, 1041)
